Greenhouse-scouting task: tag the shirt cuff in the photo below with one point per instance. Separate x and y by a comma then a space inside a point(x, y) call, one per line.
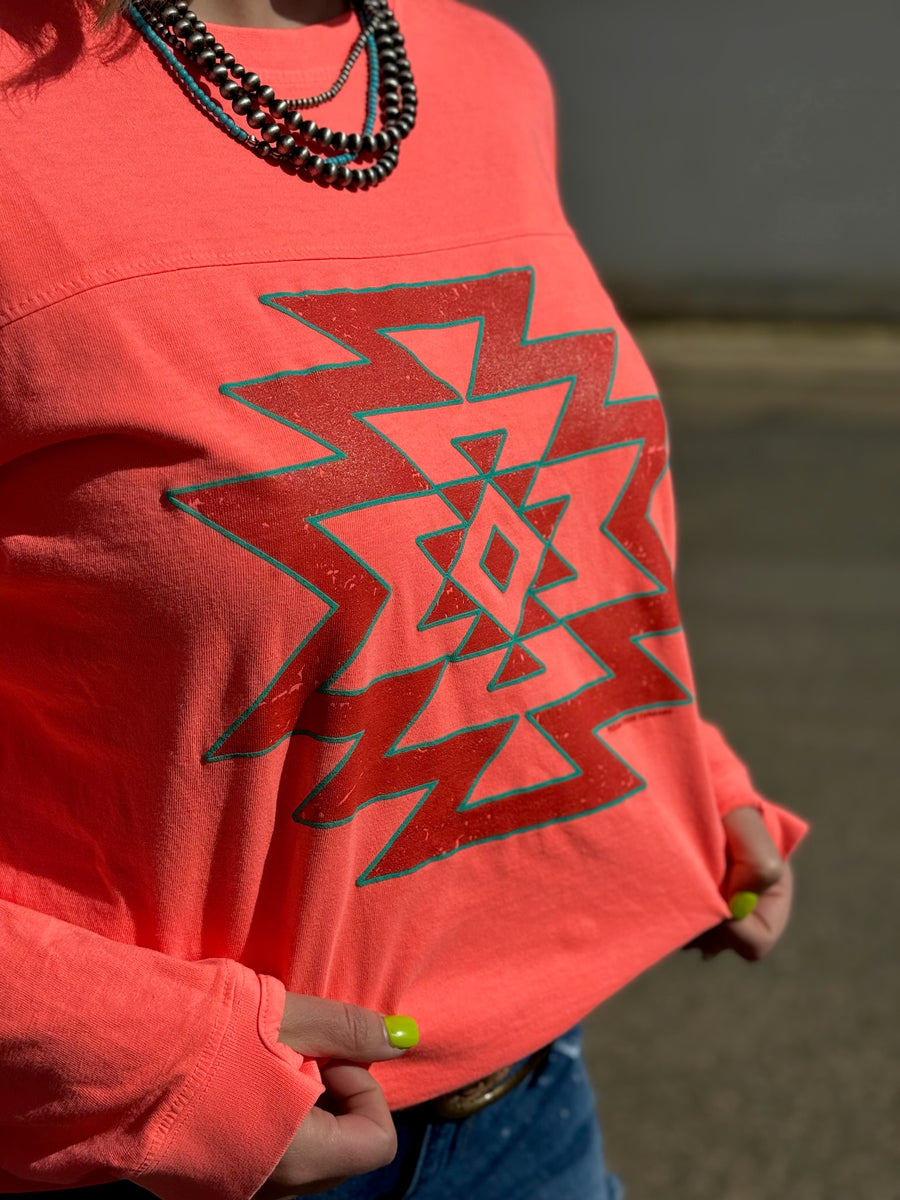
point(228, 1129)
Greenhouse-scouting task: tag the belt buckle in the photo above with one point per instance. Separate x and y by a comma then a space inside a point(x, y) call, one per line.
point(456, 1106)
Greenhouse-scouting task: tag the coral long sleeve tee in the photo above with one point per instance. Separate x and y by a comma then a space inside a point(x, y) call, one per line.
point(339, 648)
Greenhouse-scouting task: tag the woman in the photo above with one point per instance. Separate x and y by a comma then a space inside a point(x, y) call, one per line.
point(342, 667)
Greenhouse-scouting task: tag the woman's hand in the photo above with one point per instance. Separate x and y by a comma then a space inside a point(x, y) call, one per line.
point(754, 865)
point(349, 1131)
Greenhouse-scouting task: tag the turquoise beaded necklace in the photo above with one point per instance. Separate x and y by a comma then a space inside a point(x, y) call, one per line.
point(294, 143)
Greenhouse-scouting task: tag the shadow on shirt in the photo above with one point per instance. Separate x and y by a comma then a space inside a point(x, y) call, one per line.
point(52, 35)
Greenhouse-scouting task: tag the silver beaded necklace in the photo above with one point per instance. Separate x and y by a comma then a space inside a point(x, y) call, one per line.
point(285, 136)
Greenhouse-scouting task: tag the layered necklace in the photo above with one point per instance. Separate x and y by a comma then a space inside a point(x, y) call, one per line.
point(284, 134)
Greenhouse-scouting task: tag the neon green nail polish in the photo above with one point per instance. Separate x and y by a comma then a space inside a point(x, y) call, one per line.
point(403, 1032)
point(742, 904)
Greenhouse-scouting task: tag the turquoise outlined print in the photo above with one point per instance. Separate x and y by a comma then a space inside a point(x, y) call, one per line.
point(502, 580)
point(479, 457)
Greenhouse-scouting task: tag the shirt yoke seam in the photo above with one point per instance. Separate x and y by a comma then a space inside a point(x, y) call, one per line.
point(79, 287)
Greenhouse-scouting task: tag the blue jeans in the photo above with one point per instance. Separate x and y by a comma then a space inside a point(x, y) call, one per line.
point(541, 1141)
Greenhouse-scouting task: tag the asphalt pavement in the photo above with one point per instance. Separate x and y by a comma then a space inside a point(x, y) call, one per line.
point(726, 1080)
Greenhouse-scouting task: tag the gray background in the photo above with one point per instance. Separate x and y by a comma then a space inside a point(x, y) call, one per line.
point(724, 160)
point(728, 1080)
point(729, 157)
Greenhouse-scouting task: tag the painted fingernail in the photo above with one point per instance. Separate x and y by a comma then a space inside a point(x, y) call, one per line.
point(742, 904)
point(403, 1032)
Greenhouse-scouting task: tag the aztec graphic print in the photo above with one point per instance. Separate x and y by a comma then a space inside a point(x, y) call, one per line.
point(472, 527)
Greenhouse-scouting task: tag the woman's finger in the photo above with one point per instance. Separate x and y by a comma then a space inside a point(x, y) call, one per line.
point(754, 864)
point(756, 873)
point(330, 1146)
point(320, 1028)
point(756, 934)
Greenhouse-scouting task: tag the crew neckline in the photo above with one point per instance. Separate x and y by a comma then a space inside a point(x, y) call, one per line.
point(306, 50)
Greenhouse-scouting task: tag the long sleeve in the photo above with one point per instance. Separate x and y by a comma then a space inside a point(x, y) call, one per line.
point(730, 778)
point(325, 548)
point(733, 788)
point(121, 1062)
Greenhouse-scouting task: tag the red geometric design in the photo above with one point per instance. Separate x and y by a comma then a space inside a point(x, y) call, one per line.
point(515, 484)
point(553, 570)
point(443, 547)
point(326, 521)
point(544, 517)
point(446, 352)
point(499, 559)
point(487, 635)
point(449, 604)
point(465, 497)
point(483, 450)
point(534, 618)
point(519, 665)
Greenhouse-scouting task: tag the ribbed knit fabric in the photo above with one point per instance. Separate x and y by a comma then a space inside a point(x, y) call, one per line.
point(339, 647)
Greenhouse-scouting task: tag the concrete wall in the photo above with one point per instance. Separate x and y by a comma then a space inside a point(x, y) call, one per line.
point(730, 157)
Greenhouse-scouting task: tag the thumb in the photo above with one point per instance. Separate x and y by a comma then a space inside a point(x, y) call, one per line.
point(754, 863)
point(321, 1028)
